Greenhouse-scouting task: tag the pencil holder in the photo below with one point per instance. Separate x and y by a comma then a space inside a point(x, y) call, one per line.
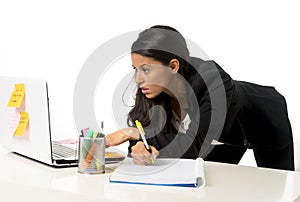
point(91, 155)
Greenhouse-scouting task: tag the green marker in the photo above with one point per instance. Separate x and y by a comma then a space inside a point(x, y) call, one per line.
point(89, 133)
point(87, 143)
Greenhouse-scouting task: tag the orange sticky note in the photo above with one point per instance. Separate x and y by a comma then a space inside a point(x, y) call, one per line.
point(17, 96)
point(22, 124)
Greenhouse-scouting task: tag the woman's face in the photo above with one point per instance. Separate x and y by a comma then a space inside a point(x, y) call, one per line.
point(151, 76)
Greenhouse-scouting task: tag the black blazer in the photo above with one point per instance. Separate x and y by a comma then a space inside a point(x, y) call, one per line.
point(233, 112)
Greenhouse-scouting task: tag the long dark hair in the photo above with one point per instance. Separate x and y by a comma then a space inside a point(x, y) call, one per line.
point(162, 43)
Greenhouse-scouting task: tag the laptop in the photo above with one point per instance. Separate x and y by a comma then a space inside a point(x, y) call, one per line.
point(35, 141)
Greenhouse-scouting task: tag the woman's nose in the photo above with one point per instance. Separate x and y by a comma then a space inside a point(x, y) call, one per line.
point(138, 78)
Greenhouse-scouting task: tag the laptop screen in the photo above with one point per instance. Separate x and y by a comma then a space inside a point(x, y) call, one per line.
point(24, 117)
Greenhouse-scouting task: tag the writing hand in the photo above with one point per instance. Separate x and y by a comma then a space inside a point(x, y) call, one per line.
point(140, 154)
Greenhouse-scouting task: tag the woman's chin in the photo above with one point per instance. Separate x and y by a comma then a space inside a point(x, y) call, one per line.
point(152, 95)
point(149, 96)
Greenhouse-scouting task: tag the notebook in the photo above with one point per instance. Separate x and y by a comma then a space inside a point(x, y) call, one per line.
point(164, 172)
point(35, 140)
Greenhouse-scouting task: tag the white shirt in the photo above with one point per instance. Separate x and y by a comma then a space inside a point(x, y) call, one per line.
point(183, 125)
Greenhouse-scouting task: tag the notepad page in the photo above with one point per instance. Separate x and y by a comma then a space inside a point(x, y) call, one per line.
point(163, 171)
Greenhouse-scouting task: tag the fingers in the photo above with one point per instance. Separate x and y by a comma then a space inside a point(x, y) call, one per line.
point(140, 161)
point(154, 152)
point(141, 156)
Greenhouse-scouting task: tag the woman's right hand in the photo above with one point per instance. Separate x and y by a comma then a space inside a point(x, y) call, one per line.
point(140, 154)
point(121, 136)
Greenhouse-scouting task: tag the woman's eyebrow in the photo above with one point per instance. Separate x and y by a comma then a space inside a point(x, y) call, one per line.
point(143, 65)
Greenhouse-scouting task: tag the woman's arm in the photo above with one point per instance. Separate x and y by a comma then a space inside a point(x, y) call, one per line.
point(121, 136)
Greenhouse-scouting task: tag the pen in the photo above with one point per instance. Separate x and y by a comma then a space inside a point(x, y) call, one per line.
point(86, 145)
point(95, 134)
point(89, 133)
point(142, 133)
point(84, 131)
point(102, 126)
point(89, 156)
point(90, 153)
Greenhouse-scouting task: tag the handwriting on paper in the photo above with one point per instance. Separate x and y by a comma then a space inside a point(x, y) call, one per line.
point(17, 96)
point(22, 124)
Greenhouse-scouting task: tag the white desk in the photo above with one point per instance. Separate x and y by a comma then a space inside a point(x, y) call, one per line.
point(22, 179)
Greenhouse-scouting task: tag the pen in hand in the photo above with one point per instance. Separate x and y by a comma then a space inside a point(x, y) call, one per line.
point(142, 133)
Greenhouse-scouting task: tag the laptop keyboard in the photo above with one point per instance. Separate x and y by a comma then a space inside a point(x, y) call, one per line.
point(60, 150)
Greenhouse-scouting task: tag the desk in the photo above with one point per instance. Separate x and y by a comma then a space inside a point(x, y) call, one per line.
point(22, 179)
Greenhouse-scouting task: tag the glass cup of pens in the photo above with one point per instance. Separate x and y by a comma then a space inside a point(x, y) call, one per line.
point(91, 153)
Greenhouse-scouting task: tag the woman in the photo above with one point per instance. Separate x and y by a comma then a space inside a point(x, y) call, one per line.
point(192, 108)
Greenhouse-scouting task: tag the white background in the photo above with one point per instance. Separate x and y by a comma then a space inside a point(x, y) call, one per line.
point(257, 41)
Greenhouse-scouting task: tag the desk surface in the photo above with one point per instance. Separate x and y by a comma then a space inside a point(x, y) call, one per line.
point(27, 180)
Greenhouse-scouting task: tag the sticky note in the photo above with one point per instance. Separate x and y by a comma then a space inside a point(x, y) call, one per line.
point(22, 124)
point(17, 96)
point(14, 122)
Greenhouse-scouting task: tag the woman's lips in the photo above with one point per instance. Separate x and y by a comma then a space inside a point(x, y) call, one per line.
point(145, 90)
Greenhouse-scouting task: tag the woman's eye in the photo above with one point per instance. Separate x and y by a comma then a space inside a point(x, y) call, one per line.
point(145, 70)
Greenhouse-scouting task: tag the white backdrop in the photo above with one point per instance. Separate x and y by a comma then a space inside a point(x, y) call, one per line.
point(256, 41)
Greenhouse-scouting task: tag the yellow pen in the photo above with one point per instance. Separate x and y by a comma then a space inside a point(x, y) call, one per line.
point(95, 133)
point(142, 133)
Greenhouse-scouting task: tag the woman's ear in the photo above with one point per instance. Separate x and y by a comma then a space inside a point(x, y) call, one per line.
point(174, 64)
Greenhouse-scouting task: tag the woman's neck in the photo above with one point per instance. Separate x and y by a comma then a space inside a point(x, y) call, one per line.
point(177, 93)
point(178, 108)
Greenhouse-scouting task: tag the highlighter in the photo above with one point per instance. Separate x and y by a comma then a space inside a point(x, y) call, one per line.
point(142, 133)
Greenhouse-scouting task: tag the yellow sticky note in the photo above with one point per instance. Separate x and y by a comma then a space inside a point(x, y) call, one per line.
point(22, 124)
point(17, 96)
